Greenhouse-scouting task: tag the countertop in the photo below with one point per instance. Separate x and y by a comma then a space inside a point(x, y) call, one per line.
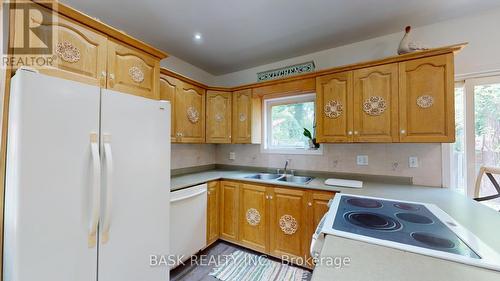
point(481, 220)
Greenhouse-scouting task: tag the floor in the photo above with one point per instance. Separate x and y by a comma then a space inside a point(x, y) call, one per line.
point(194, 272)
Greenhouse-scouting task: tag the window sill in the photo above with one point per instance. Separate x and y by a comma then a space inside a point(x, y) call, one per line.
point(294, 151)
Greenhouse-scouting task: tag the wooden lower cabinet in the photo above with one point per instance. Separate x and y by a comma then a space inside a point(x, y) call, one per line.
point(288, 223)
point(277, 221)
point(253, 227)
point(213, 212)
point(229, 195)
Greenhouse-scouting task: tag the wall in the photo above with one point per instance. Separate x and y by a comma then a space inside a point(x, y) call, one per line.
point(177, 65)
point(383, 159)
point(480, 30)
point(190, 155)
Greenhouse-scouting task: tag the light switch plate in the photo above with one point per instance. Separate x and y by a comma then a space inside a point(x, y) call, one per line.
point(362, 160)
point(413, 162)
point(232, 155)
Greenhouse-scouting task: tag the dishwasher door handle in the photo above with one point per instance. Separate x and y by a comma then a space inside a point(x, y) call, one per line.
point(188, 196)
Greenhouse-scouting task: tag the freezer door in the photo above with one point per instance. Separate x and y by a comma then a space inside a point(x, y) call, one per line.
point(50, 184)
point(136, 185)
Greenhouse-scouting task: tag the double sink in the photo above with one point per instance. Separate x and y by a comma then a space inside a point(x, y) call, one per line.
point(280, 177)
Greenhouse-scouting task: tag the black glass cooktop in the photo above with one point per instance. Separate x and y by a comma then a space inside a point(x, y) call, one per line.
point(406, 223)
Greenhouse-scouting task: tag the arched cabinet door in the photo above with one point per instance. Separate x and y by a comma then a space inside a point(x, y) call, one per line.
point(168, 86)
point(77, 53)
point(375, 108)
point(132, 71)
point(190, 113)
point(426, 100)
point(218, 117)
point(334, 107)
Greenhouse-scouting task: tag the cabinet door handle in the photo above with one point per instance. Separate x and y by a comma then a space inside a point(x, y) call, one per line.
point(403, 132)
point(270, 197)
point(103, 78)
point(267, 197)
point(309, 204)
point(355, 132)
point(111, 79)
point(349, 133)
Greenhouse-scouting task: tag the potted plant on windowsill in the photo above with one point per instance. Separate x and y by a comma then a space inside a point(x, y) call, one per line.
point(312, 140)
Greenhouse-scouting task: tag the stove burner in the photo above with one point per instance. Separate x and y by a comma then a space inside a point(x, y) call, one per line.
point(414, 218)
point(432, 240)
point(364, 203)
point(406, 207)
point(372, 221)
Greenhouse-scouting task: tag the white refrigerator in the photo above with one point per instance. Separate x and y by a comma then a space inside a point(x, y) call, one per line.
point(88, 183)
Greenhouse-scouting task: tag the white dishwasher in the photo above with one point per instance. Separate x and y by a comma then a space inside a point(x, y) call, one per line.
point(188, 221)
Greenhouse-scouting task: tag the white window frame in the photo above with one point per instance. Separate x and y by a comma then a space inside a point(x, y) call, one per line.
point(469, 134)
point(267, 105)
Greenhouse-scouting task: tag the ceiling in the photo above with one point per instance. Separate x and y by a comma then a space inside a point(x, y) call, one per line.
point(239, 34)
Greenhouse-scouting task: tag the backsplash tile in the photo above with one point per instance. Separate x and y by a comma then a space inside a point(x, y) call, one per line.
point(383, 159)
point(191, 155)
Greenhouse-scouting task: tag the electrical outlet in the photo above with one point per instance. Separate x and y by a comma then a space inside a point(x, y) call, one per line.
point(413, 162)
point(362, 160)
point(232, 155)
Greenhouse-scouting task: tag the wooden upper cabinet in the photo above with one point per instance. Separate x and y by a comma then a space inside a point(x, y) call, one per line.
point(426, 100)
point(333, 103)
point(218, 117)
point(229, 197)
point(132, 71)
point(288, 223)
point(79, 52)
point(246, 117)
point(168, 88)
point(375, 107)
point(253, 230)
point(213, 212)
point(189, 113)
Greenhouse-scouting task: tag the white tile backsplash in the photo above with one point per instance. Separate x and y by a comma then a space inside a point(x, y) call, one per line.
point(384, 159)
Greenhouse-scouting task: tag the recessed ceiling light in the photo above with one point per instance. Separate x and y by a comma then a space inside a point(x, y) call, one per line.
point(197, 36)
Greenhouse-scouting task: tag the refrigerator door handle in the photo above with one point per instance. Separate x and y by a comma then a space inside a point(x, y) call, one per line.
point(108, 157)
point(96, 182)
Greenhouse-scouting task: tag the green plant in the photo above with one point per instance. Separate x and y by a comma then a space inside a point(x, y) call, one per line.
point(308, 135)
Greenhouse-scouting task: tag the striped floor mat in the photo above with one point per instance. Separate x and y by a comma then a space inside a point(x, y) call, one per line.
point(242, 266)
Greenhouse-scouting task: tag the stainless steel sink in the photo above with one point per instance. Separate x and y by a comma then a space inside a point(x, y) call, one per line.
point(296, 179)
point(264, 176)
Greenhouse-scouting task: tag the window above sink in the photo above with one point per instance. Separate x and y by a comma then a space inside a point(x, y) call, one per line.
point(284, 121)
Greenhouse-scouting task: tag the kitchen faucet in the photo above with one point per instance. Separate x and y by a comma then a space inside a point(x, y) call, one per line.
point(286, 165)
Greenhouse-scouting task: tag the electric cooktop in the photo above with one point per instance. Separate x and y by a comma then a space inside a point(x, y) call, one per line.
point(406, 223)
point(409, 226)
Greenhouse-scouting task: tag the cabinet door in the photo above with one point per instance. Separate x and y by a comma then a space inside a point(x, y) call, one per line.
point(333, 107)
point(426, 98)
point(218, 117)
point(317, 206)
point(79, 52)
point(190, 113)
point(288, 223)
point(242, 116)
point(253, 231)
point(132, 71)
point(376, 104)
point(168, 87)
point(212, 212)
point(229, 196)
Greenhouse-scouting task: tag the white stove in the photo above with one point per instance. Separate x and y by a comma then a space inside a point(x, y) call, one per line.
point(409, 226)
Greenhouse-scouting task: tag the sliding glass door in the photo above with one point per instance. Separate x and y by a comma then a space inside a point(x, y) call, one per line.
point(477, 105)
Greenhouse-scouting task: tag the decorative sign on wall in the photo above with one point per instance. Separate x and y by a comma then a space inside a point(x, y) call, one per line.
point(286, 71)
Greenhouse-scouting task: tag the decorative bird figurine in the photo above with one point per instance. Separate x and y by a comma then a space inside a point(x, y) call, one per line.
point(406, 46)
